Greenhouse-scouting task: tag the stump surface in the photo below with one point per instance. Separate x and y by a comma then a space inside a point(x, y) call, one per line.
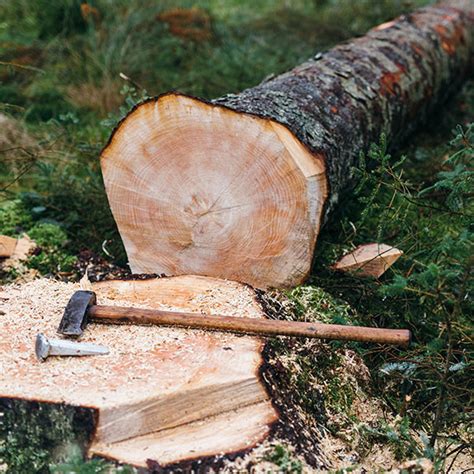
point(155, 381)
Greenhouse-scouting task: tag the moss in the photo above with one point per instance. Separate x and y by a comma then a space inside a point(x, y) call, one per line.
point(283, 458)
point(315, 304)
point(51, 255)
point(33, 435)
point(14, 218)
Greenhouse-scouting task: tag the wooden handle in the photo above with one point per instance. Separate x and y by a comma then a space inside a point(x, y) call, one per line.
point(266, 327)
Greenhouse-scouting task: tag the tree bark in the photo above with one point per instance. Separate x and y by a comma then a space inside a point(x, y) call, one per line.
point(238, 188)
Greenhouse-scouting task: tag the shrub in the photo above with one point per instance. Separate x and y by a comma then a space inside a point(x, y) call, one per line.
point(427, 291)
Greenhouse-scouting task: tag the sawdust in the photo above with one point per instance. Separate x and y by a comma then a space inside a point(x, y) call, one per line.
point(142, 358)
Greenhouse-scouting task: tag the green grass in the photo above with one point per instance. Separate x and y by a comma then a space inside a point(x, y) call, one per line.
point(61, 89)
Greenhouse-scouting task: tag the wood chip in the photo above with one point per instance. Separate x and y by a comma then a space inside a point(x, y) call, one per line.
point(371, 260)
point(7, 245)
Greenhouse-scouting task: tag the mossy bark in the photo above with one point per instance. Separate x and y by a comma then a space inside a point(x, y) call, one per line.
point(389, 81)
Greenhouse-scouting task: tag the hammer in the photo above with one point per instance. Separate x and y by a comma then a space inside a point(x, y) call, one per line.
point(82, 308)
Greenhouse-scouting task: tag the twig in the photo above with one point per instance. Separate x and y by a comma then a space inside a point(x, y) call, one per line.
point(128, 79)
point(22, 66)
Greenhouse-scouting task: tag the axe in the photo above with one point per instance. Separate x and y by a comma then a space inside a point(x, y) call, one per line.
point(82, 308)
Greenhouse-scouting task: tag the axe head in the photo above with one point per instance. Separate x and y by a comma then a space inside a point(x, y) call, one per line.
point(74, 319)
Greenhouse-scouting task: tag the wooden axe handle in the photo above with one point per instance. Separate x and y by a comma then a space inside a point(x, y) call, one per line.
point(264, 327)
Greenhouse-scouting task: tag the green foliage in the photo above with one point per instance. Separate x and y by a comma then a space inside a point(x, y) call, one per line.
point(284, 460)
point(30, 436)
point(77, 465)
point(318, 305)
point(456, 183)
point(40, 438)
point(404, 441)
point(427, 291)
point(132, 96)
point(14, 218)
point(51, 256)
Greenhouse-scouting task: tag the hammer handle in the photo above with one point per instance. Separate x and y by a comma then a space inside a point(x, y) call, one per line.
point(264, 327)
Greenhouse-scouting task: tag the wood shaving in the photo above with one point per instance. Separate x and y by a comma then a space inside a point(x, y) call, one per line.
point(142, 359)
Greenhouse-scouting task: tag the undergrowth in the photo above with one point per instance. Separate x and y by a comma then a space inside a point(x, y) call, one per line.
point(69, 70)
point(284, 460)
point(427, 386)
point(32, 436)
point(50, 255)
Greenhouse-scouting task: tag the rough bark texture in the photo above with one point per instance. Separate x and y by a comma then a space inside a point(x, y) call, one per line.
point(390, 81)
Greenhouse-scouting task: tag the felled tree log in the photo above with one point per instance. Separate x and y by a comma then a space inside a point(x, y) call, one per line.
point(238, 187)
point(162, 396)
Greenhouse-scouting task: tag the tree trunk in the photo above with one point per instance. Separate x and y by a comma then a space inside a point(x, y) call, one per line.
point(238, 187)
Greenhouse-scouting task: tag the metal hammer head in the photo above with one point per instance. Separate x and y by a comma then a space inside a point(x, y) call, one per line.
point(74, 319)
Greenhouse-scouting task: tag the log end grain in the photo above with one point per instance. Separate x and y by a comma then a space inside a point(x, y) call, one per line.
point(197, 188)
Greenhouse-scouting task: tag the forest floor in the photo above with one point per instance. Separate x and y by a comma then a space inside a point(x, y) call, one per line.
point(69, 71)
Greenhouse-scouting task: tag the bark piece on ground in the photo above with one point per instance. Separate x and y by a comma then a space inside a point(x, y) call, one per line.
point(238, 187)
point(200, 392)
point(370, 260)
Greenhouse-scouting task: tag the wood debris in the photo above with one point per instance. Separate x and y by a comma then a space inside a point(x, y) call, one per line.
point(371, 260)
point(161, 395)
point(16, 259)
point(7, 245)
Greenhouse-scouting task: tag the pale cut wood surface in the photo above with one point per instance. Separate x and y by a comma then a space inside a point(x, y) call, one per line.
point(371, 260)
point(7, 245)
point(240, 429)
point(200, 189)
point(155, 378)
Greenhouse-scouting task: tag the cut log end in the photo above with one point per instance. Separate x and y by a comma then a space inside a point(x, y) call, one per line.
point(198, 188)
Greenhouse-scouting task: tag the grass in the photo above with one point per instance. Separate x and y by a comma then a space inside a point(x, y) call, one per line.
point(62, 89)
point(61, 92)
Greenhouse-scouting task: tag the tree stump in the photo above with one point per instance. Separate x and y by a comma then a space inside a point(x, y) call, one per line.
point(162, 396)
